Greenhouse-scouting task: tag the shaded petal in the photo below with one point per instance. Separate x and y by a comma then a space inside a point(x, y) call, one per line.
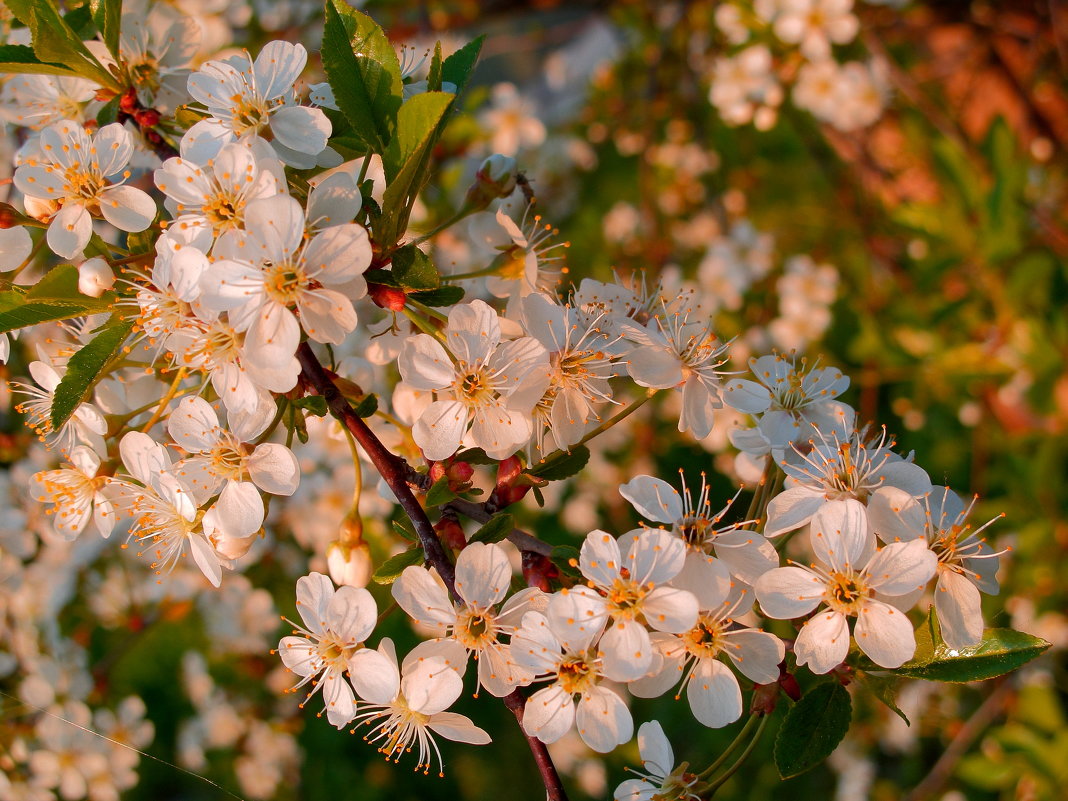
point(823, 642)
point(603, 720)
point(885, 634)
point(714, 694)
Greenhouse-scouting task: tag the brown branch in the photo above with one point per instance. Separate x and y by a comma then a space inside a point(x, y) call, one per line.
point(396, 473)
point(519, 538)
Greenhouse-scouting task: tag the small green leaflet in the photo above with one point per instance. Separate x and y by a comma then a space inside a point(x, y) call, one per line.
point(495, 529)
point(439, 492)
point(390, 570)
point(413, 269)
point(813, 728)
point(561, 464)
point(885, 689)
point(86, 367)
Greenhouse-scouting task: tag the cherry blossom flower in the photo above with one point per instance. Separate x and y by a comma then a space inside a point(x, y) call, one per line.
point(80, 173)
point(838, 467)
point(336, 623)
point(966, 564)
point(86, 425)
point(580, 365)
point(78, 494)
point(408, 709)
point(712, 689)
point(37, 101)
point(790, 398)
point(633, 582)
point(476, 385)
point(662, 780)
point(215, 196)
point(673, 351)
point(165, 510)
point(222, 458)
point(561, 645)
point(847, 580)
point(738, 552)
point(814, 24)
point(272, 276)
point(483, 574)
point(247, 99)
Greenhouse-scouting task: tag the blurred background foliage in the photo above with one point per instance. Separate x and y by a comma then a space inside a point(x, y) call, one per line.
point(945, 222)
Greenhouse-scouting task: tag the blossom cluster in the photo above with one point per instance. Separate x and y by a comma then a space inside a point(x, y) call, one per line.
point(252, 271)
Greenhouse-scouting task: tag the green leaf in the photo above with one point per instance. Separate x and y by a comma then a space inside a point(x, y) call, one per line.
point(813, 729)
point(379, 276)
point(433, 77)
point(86, 367)
point(22, 59)
point(312, 404)
point(404, 528)
point(561, 464)
point(495, 529)
point(54, 297)
point(473, 456)
point(367, 406)
point(413, 269)
point(364, 73)
point(439, 492)
point(55, 42)
point(107, 14)
point(442, 296)
point(885, 689)
point(457, 68)
point(389, 570)
point(999, 652)
point(109, 112)
point(407, 159)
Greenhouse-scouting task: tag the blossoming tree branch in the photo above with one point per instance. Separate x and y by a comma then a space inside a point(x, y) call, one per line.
point(207, 241)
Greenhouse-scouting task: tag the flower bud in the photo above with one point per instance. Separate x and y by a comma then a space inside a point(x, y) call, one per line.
point(539, 571)
point(233, 547)
point(458, 473)
point(511, 486)
point(451, 533)
point(496, 178)
point(349, 565)
point(95, 277)
point(387, 297)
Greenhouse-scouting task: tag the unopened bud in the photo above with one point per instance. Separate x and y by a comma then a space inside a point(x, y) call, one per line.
point(95, 277)
point(510, 488)
point(10, 217)
point(459, 474)
point(147, 117)
point(349, 565)
point(388, 297)
point(128, 102)
point(451, 533)
point(539, 571)
point(496, 178)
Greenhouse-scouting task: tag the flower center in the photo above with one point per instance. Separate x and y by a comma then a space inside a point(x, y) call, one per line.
point(576, 674)
point(845, 593)
point(475, 630)
point(223, 212)
point(250, 114)
point(705, 640)
point(625, 598)
point(82, 183)
point(285, 282)
point(473, 388)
